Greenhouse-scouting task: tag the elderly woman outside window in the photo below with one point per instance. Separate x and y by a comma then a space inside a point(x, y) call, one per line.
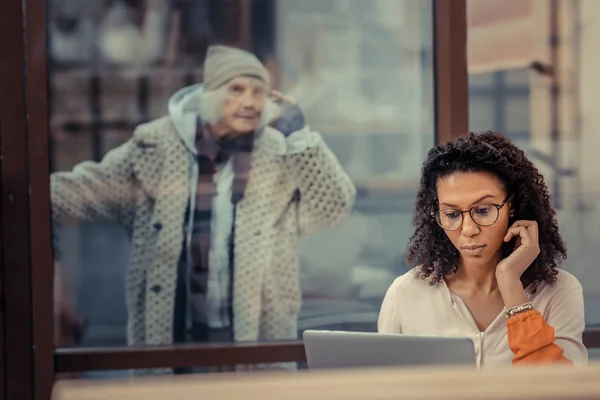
point(214, 197)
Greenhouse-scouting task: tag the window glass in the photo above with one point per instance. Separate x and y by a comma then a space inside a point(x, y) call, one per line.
point(550, 112)
point(171, 226)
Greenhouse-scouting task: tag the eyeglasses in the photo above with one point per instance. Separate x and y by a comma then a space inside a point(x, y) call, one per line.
point(451, 219)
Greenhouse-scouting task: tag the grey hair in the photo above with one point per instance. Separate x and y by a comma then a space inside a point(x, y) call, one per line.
point(211, 102)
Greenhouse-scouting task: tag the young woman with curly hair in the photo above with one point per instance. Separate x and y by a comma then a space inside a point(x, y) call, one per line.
point(486, 250)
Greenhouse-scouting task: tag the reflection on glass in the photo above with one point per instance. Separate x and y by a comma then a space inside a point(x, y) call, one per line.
point(190, 227)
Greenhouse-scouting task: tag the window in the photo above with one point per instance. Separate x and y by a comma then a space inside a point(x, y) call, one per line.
point(500, 101)
point(539, 94)
point(350, 92)
point(114, 65)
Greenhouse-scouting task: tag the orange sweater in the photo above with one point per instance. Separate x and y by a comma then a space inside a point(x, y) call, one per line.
point(531, 339)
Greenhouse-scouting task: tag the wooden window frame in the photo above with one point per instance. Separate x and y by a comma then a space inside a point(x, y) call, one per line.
point(450, 69)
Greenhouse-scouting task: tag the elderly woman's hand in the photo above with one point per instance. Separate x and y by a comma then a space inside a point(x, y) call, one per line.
point(291, 118)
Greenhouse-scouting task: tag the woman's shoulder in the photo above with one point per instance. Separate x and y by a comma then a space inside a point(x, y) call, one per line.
point(410, 282)
point(565, 283)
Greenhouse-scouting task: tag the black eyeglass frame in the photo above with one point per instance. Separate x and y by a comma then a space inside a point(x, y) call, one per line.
point(434, 214)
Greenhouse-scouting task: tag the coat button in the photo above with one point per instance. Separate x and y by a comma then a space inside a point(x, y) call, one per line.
point(158, 226)
point(156, 289)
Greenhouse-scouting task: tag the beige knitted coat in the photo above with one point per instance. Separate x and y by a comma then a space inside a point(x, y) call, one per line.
point(144, 185)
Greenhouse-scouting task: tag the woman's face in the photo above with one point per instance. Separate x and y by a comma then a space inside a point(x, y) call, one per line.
point(243, 105)
point(478, 245)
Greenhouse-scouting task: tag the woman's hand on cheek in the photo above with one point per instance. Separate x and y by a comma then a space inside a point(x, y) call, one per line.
point(509, 270)
point(527, 248)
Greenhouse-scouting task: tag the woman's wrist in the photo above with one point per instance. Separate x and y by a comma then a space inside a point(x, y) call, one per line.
point(519, 310)
point(512, 292)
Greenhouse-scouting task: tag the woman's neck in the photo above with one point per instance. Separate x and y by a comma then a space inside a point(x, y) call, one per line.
point(217, 131)
point(477, 277)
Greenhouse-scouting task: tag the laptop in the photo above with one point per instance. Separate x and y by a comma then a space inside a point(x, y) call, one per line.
point(339, 349)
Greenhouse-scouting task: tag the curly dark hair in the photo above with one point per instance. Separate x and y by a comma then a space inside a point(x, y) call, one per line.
point(491, 152)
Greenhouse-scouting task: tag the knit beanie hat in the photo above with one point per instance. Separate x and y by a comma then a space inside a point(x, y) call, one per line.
point(224, 63)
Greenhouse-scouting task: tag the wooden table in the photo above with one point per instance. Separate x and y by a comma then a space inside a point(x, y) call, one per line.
point(530, 383)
